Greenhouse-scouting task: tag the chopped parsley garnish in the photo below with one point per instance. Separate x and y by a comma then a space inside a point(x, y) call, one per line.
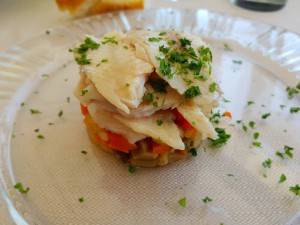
point(193, 152)
point(127, 85)
point(294, 109)
point(84, 152)
point(207, 199)
point(298, 86)
point(171, 42)
point(256, 135)
point(148, 97)
point(68, 99)
point(47, 32)
point(282, 106)
point(164, 49)
point(60, 113)
point(35, 111)
point(50, 124)
point(282, 178)
point(223, 137)
point(36, 130)
point(288, 151)
point(266, 115)
point(212, 87)
point(159, 122)
point(22, 104)
point(104, 60)
point(20, 188)
point(227, 48)
point(45, 75)
point(158, 85)
point(40, 136)
point(109, 40)
point(245, 128)
point(224, 100)
point(215, 117)
point(250, 103)
point(83, 60)
point(192, 92)
point(184, 42)
point(165, 67)
point(200, 76)
point(155, 104)
point(182, 202)
point(264, 175)
point(125, 47)
point(154, 39)
point(84, 91)
point(230, 175)
point(162, 33)
point(237, 61)
point(267, 163)
point(81, 200)
point(295, 189)
point(256, 144)
point(252, 124)
point(291, 92)
point(131, 169)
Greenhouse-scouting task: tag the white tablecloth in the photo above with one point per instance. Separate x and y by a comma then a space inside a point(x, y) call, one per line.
point(21, 20)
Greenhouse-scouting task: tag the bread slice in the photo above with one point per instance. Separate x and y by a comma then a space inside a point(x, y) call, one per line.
point(90, 7)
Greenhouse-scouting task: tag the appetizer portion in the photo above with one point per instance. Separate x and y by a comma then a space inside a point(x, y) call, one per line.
point(147, 95)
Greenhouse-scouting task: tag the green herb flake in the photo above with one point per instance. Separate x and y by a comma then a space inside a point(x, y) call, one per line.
point(22, 104)
point(255, 135)
point(182, 202)
point(171, 42)
point(279, 154)
point(36, 130)
point(256, 144)
point(207, 199)
point(223, 137)
point(165, 67)
point(125, 47)
point(127, 85)
point(230, 175)
point(193, 152)
point(81, 200)
point(237, 62)
point(159, 122)
point(267, 163)
point(84, 91)
point(50, 124)
point(148, 97)
point(184, 42)
point(212, 87)
point(291, 92)
point(131, 169)
point(162, 33)
point(40, 136)
point(264, 175)
point(82, 60)
point(295, 190)
point(282, 106)
point(68, 99)
point(45, 75)
point(250, 103)
point(192, 92)
point(288, 151)
point(109, 40)
point(200, 76)
point(245, 128)
point(215, 117)
point(224, 100)
point(265, 116)
point(47, 32)
point(60, 113)
point(294, 109)
point(20, 188)
point(282, 178)
point(164, 49)
point(227, 48)
point(158, 85)
point(155, 104)
point(252, 124)
point(154, 39)
point(298, 86)
point(35, 111)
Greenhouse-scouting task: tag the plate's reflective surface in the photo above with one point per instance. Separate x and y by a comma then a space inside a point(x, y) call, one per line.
point(260, 62)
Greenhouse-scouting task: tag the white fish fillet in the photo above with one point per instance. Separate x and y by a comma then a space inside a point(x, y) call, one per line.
point(194, 115)
point(111, 78)
point(105, 120)
point(167, 132)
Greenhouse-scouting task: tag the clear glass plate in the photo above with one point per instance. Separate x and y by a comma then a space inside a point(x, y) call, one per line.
point(259, 64)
